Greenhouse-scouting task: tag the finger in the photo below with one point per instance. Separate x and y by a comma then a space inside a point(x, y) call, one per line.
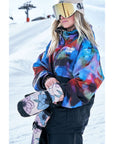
point(49, 82)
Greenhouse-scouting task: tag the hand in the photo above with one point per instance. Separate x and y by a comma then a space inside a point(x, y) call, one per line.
point(50, 81)
point(56, 93)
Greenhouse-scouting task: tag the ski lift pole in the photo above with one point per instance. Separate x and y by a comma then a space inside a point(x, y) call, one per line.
point(28, 7)
point(27, 19)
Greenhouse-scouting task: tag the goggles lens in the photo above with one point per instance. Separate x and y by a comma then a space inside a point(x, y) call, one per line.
point(64, 9)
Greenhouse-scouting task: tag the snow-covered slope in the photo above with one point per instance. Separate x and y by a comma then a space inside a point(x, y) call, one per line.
point(26, 42)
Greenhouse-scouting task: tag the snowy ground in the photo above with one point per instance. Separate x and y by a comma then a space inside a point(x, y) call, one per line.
point(26, 42)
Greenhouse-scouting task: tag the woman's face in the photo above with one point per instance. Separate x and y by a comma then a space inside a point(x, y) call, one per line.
point(67, 22)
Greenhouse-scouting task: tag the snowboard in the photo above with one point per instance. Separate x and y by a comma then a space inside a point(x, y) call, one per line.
point(38, 101)
point(38, 125)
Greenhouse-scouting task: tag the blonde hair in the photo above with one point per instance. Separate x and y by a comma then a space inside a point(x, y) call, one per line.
point(83, 27)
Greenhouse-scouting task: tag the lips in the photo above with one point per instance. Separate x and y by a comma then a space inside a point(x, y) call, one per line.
point(64, 21)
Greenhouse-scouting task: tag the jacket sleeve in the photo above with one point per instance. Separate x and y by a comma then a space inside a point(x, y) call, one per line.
point(41, 70)
point(87, 76)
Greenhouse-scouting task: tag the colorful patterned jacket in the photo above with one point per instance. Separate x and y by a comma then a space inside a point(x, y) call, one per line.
point(76, 64)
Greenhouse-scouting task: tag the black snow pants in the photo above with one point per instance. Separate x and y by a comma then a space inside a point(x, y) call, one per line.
point(66, 126)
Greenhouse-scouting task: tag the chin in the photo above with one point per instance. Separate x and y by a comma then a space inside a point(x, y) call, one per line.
point(65, 26)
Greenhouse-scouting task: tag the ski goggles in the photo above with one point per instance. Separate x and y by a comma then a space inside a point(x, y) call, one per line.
point(66, 9)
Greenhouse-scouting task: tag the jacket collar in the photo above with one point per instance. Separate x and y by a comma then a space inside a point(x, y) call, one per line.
point(65, 35)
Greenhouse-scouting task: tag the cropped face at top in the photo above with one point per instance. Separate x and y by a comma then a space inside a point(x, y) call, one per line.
point(66, 9)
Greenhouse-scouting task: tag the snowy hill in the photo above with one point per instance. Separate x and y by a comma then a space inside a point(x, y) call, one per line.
point(26, 42)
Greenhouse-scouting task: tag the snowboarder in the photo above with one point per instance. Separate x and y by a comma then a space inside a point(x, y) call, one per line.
point(71, 61)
